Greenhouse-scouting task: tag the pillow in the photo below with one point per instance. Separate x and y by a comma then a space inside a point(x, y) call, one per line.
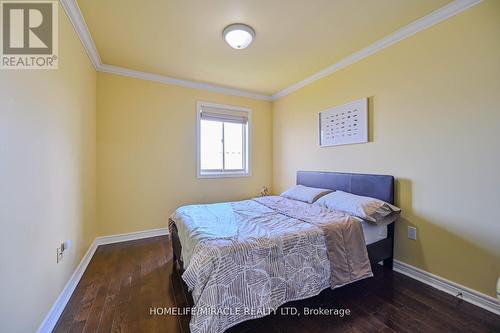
point(369, 209)
point(304, 193)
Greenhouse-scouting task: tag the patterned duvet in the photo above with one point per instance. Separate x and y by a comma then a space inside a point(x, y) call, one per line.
point(245, 259)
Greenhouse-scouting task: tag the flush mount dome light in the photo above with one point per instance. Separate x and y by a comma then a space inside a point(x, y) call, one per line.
point(238, 35)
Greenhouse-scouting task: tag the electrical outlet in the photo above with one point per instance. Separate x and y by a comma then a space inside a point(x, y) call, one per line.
point(412, 233)
point(66, 245)
point(59, 254)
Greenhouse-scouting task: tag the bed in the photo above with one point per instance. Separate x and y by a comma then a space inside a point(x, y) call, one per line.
point(230, 281)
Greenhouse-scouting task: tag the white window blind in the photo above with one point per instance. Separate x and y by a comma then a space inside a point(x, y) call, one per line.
point(222, 115)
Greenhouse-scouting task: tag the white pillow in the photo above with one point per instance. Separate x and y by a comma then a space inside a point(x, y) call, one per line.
point(369, 209)
point(304, 193)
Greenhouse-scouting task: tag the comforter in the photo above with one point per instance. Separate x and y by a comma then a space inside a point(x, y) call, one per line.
point(244, 259)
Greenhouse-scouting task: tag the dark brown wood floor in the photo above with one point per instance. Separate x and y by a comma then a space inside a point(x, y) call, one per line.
point(124, 280)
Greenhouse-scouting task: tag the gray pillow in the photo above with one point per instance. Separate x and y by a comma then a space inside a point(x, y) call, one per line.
point(304, 193)
point(369, 209)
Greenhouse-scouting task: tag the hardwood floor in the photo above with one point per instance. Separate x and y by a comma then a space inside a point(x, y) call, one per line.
point(124, 280)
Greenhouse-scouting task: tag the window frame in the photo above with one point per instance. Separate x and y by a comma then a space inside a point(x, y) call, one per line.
point(247, 143)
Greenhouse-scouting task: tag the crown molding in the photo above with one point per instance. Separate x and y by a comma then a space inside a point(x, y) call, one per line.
point(441, 14)
point(180, 82)
point(75, 16)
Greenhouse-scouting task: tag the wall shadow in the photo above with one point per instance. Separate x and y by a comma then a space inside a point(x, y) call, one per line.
point(440, 251)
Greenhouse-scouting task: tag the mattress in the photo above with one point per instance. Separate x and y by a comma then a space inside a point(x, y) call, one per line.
point(201, 226)
point(373, 232)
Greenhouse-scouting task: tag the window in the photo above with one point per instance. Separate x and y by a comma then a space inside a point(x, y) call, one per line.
point(223, 137)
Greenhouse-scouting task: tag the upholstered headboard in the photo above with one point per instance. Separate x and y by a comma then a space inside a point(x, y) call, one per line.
point(375, 186)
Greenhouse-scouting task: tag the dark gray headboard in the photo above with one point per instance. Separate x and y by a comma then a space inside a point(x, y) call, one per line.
point(375, 186)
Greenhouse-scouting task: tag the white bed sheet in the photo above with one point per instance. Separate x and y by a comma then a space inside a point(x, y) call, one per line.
point(373, 232)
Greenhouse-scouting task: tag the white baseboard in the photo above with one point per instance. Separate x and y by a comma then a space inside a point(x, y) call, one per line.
point(50, 321)
point(471, 296)
point(103, 240)
point(57, 308)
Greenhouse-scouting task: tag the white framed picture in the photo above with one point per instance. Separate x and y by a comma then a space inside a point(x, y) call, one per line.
point(344, 124)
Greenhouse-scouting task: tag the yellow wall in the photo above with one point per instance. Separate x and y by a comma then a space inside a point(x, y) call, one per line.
point(435, 125)
point(434, 120)
point(146, 159)
point(47, 179)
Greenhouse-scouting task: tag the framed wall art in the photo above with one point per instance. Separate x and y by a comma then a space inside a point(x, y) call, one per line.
point(344, 124)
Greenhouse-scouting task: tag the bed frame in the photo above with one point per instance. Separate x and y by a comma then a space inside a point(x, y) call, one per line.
point(375, 186)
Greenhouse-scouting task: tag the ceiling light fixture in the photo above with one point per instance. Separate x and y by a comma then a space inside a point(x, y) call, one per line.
point(238, 35)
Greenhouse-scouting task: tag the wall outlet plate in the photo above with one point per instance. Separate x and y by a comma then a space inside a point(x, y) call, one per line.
point(66, 245)
point(412, 233)
point(59, 254)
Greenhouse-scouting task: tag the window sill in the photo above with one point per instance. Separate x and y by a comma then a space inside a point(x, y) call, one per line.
point(223, 174)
